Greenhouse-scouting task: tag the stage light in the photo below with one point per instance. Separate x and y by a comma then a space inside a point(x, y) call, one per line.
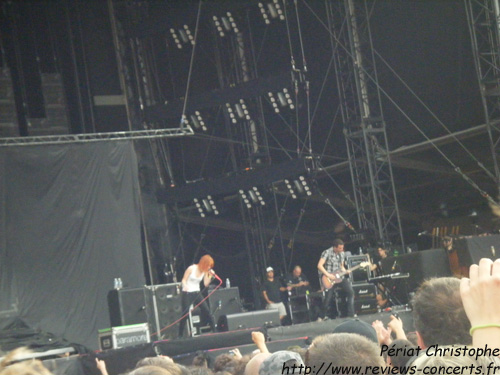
point(298, 186)
point(252, 197)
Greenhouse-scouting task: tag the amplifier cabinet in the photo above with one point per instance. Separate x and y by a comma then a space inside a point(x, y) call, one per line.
point(366, 306)
point(361, 275)
point(163, 307)
point(364, 291)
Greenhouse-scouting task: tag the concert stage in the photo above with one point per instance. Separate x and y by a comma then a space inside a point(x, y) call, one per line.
point(184, 350)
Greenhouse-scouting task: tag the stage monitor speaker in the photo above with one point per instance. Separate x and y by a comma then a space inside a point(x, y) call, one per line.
point(163, 307)
point(126, 307)
point(360, 275)
point(420, 265)
point(224, 302)
point(253, 319)
point(471, 249)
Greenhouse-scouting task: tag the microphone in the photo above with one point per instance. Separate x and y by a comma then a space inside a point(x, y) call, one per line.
point(212, 272)
point(423, 233)
point(394, 265)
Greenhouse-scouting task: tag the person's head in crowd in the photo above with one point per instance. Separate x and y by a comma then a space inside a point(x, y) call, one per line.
point(163, 362)
point(196, 370)
point(400, 355)
point(224, 362)
point(239, 369)
point(275, 363)
point(252, 367)
point(299, 350)
point(10, 366)
point(412, 337)
point(200, 360)
point(443, 363)
point(345, 349)
point(30, 367)
point(359, 327)
point(150, 370)
point(438, 313)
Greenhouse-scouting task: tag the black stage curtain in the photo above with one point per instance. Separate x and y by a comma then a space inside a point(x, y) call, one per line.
point(70, 224)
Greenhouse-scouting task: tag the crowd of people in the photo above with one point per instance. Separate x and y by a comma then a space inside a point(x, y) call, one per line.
point(451, 317)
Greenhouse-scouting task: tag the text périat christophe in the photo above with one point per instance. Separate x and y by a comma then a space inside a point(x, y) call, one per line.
point(436, 351)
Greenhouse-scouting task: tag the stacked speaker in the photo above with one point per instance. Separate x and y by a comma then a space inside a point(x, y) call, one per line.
point(365, 294)
point(163, 307)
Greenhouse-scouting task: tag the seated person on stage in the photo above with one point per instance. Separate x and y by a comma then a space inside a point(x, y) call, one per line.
point(332, 262)
point(271, 292)
point(298, 281)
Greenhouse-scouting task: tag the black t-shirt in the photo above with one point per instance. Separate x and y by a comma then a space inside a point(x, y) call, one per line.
point(295, 280)
point(272, 289)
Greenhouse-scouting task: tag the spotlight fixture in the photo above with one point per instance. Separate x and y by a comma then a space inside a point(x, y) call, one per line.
point(225, 24)
point(252, 197)
point(182, 36)
point(281, 99)
point(298, 186)
point(271, 10)
point(240, 110)
point(206, 206)
point(195, 120)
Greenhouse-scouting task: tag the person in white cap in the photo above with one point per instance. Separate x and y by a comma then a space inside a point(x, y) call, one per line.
point(272, 289)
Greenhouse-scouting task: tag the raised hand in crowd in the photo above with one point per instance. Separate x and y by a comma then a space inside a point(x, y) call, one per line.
point(383, 334)
point(396, 325)
point(101, 366)
point(260, 340)
point(481, 298)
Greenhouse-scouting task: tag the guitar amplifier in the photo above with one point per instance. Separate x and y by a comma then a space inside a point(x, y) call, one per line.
point(366, 306)
point(364, 291)
point(361, 275)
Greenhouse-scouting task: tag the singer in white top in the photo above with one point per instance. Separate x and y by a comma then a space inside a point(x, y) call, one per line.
point(191, 294)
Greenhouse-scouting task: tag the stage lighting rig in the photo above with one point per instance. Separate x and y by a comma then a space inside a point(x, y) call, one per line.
point(182, 36)
point(252, 197)
point(238, 110)
point(206, 206)
point(195, 120)
point(271, 10)
point(225, 24)
point(298, 186)
point(281, 99)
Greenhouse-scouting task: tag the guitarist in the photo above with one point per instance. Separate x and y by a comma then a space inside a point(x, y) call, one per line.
point(332, 261)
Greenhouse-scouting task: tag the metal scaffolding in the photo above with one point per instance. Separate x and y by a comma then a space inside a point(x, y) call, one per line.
point(364, 126)
point(484, 26)
point(95, 137)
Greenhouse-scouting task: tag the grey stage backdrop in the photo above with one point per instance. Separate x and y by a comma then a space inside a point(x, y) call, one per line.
point(70, 224)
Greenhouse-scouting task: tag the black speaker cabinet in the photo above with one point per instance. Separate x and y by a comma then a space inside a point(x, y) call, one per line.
point(253, 319)
point(224, 302)
point(420, 265)
point(163, 307)
point(366, 306)
point(361, 274)
point(364, 291)
point(471, 249)
point(126, 307)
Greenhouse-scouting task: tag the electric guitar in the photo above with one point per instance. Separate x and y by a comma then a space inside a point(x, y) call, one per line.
point(339, 274)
